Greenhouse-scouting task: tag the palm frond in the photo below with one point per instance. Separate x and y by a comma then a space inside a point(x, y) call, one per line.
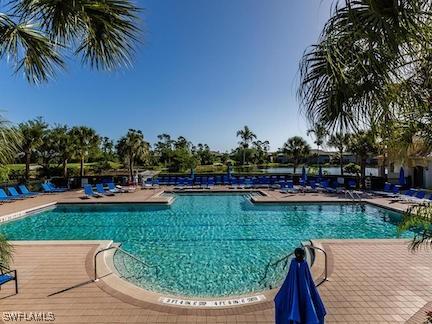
point(28, 49)
point(9, 141)
point(6, 251)
point(419, 220)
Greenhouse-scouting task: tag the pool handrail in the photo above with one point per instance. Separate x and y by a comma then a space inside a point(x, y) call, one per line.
point(118, 248)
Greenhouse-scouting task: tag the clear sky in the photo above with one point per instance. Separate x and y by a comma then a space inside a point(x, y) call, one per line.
point(206, 69)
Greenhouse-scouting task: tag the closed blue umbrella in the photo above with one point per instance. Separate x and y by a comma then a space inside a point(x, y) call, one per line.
point(298, 300)
point(402, 180)
point(320, 174)
point(192, 175)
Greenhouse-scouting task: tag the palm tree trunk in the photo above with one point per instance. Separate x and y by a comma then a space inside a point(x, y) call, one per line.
point(131, 168)
point(65, 170)
point(363, 172)
point(27, 166)
point(244, 156)
point(341, 162)
point(82, 166)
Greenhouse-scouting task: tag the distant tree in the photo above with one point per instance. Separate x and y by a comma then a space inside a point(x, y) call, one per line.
point(246, 136)
point(297, 149)
point(363, 144)
point(132, 148)
point(35, 35)
point(107, 147)
point(261, 151)
point(340, 142)
point(205, 156)
point(32, 133)
point(84, 141)
point(320, 133)
point(164, 148)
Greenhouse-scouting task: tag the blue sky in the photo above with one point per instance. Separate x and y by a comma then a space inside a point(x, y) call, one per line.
point(206, 69)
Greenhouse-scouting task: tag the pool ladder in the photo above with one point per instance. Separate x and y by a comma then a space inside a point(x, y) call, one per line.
point(118, 248)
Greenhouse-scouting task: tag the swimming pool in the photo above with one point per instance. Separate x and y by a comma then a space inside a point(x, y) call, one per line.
point(204, 245)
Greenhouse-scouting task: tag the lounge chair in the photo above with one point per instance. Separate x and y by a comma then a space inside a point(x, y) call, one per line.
point(100, 189)
point(5, 198)
point(27, 192)
point(54, 188)
point(410, 193)
point(46, 188)
point(14, 193)
point(148, 184)
point(287, 187)
point(88, 192)
point(112, 188)
point(7, 275)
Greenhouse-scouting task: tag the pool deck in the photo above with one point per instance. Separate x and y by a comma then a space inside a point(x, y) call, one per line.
point(370, 281)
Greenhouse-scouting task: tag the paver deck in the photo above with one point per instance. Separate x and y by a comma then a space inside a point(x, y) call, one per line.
point(377, 281)
point(371, 281)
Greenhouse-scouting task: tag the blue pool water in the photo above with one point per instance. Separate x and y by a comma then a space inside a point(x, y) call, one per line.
point(204, 245)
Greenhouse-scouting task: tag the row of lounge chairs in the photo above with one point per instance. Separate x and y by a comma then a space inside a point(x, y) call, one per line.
point(276, 182)
point(100, 191)
point(22, 192)
point(411, 195)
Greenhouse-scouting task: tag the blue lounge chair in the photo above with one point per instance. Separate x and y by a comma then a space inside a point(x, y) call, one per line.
point(7, 275)
point(100, 189)
point(210, 182)
point(27, 192)
point(4, 197)
point(46, 188)
point(112, 187)
point(14, 193)
point(54, 188)
point(88, 191)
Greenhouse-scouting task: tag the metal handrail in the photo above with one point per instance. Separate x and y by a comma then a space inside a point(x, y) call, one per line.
point(118, 249)
point(285, 258)
point(325, 263)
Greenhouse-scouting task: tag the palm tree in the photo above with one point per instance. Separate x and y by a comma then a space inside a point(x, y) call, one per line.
point(32, 133)
point(363, 144)
point(320, 133)
point(297, 149)
point(35, 36)
point(84, 140)
point(339, 141)
point(371, 63)
point(132, 147)
point(10, 139)
point(246, 136)
point(64, 145)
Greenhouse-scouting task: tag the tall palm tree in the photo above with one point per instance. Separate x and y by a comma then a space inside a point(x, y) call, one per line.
point(32, 133)
point(36, 35)
point(339, 141)
point(132, 147)
point(84, 140)
point(363, 144)
point(368, 64)
point(297, 149)
point(64, 145)
point(320, 133)
point(246, 136)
